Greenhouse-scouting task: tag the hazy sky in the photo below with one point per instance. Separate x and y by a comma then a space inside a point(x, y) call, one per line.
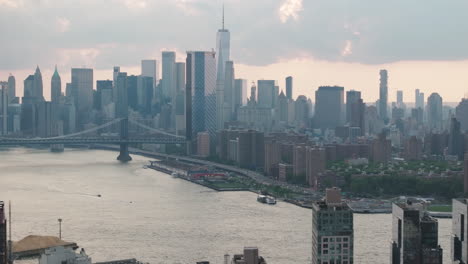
point(422, 43)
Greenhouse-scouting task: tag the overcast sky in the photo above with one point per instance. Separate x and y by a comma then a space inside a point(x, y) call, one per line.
point(423, 43)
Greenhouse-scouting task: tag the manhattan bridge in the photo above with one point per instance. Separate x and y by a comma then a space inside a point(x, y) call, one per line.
point(121, 131)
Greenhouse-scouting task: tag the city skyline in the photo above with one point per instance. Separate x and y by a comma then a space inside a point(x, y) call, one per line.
point(356, 51)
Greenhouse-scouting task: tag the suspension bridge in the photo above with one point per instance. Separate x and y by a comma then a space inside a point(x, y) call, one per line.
point(129, 132)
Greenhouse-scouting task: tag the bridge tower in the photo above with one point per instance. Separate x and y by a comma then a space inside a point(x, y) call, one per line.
point(124, 156)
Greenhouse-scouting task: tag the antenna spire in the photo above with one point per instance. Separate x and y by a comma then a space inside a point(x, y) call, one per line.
point(223, 16)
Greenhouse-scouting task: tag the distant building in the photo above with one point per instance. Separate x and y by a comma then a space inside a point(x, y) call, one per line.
point(251, 149)
point(82, 92)
point(56, 87)
point(266, 93)
point(383, 99)
point(3, 235)
point(289, 87)
point(250, 256)
point(413, 148)
point(203, 144)
point(200, 94)
point(414, 236)
point(357, 116)
point(12, 89)
point(149, 68)
point(461, 113)
point(381, 149)
point(332, 230)
point(434, 112)
point(459, 248)
point(240, 94)
point(329, 103)
point(419, 99)
point(465, 174)
point(301, 112)
point(352, 97)
point(316, 162)
point(168, 74)
point(400, 103)
point(456, 139)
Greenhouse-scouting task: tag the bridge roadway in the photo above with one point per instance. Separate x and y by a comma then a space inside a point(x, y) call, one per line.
point(90, 140)
point(258, 177)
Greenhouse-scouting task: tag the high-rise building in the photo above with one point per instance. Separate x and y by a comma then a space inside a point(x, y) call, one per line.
point(459, 249)
point(316, 162)
point(332, 230)
point(383, 99)
point(465, 174)
point(461, 113)
point(104, 93)
point(44, 119)
point(180, 98)
point(4, 108)
point(149, 68)
point(253, 92)
point(200, 94)
point(266, 93)
point(229, 92)
point(223, 39)
point(82, 90)
point(12, 88)
point(329, 103)
point(456, 139)
point(289, 87)
point(115, 73)
point(301, 111)
point(121, 104)
point(132, 92)
point(38, 86)
point(168, 74)
point(352, 97)
point(400, 102)
point(3, 235)
point(240, 94)
point(55, 87)
point(381, 149)
point(414, 235)
point(357, 117)
point(419, 99)
point(203, 144)
point(251, 149)
point(434, 112)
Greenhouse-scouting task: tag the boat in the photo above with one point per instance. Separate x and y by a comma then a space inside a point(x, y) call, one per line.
point(266, 199)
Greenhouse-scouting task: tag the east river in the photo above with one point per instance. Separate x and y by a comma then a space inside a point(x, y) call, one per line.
point(155, 218)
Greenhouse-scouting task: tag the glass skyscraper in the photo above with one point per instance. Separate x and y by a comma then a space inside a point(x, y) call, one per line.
point(200, 93)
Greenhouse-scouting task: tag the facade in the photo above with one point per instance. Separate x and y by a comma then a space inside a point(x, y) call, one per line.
point(434, 112)
point(332, 230)
point(82, 92)
point(352, 97)
point(121, 103)
point(289, 87)
point(251, 149)
point(455, 139)
point(316, 162)
point(168, 74)
point(203, 144)
point(200, 94)
point(56, 87)
point(459, 249)
point(383, 99)
point(381, 149)
point(266, 93)
point(12, 88)
point(461, 113)
point(329, 103)
point(149, 68)
point(414, 236)
point(357, 116)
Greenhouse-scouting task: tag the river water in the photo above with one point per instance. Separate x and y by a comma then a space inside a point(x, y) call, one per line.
point(155, 218)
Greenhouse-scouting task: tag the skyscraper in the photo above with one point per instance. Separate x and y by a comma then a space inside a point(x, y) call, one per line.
point(55, 87)
point(149, 68)
point(121, 104)
point(461, 113)
point(329, 102)
point(82, 91)
point(459, 237)
point(4, 108)
point(414, 235)
point(455, 140)
point(383, 101)
point(200, 94)
point(434, 112)
point(229, 91)
point(357, 116)
point(419, 99)
point(11, 88)
point(38, 86)
point(266, 93)
point(352, 97)
point(115, 73)
point(240, 93)
point(222, 50)
point(179, 107)
point(400, 98)
point(289, 87)
point(168, 74)
point(332, 230)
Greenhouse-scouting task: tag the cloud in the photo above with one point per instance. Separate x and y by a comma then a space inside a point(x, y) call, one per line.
point(365, 31)
point(289, 10)
point(63, 24)
point(11, 3)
